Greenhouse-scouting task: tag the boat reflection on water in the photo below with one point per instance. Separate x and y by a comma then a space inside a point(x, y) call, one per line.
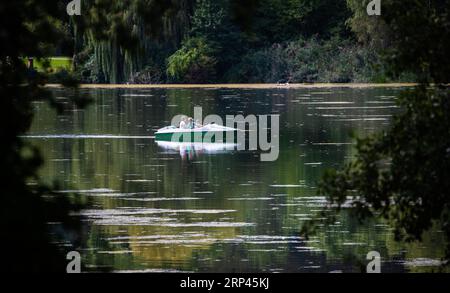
point(191, 150)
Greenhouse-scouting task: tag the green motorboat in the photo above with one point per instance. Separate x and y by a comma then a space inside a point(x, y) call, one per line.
point(211, 133)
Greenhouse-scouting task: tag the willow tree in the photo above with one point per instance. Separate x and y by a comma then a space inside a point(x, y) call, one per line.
point(125, 36)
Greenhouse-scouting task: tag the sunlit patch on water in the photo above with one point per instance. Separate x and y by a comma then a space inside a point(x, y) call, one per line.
point(130, 220)
point(116, 194)
point(309, 249)
point(93, 191)
point(153, 237)
point(146, 271)
point(146, 211)
point(136, 95)
point(268, 239)
point(326, 103)
point(264, 250)
point(211, 224)
point(310, 267)
point(424, 262)
point(313, 164)
point(357, 108)
point(286, 185)
point(380, 102)
point(142, 180)
point(250, 198)
point(354, 244)
point(115, 252)
point(104, 192)
point(160, 199)
point(199, 239)
point(159, 217)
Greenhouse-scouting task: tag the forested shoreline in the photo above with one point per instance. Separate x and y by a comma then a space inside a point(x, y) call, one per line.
point(216, 41)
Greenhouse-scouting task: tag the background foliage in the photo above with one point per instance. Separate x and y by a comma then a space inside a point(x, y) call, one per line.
point(230, 38)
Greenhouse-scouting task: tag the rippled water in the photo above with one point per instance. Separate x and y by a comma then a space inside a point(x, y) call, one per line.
point(170, 208)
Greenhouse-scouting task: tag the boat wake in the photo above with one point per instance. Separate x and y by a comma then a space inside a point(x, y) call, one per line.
point(85, 136)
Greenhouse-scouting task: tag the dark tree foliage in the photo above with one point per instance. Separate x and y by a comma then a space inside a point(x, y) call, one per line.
point(36, 222)
point(28, 28)
point(243, 12)
point(419, 33)
point(402, 174)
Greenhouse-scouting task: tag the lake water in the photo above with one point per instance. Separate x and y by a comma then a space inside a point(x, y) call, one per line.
point(156, 208)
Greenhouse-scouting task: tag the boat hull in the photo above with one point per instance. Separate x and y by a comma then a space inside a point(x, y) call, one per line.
point(196, 136)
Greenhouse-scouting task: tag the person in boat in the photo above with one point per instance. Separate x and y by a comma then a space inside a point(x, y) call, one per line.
point(183, 124)
point(197, 124)
point(190, 124)
point(194, 123)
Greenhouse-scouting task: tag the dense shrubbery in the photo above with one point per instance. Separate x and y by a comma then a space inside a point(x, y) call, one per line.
point(303, 60)
point(87, 69)
point(193, 63)
point(148, 75)
point(307, 60)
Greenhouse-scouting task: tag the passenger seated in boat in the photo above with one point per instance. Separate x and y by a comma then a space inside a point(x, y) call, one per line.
point(197, 124)
point(183, 123)
point(190, 124)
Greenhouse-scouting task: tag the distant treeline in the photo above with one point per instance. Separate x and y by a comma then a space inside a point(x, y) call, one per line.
point(210, 41)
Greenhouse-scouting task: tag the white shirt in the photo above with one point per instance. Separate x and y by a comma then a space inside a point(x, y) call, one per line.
point(182, 124)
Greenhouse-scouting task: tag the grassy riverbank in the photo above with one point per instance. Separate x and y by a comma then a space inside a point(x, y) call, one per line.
point(54, 63)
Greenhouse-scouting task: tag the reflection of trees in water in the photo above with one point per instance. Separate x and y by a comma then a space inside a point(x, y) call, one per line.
point(120, 164)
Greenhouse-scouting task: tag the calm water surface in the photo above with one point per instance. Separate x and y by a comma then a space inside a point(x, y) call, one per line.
point(161, 208)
